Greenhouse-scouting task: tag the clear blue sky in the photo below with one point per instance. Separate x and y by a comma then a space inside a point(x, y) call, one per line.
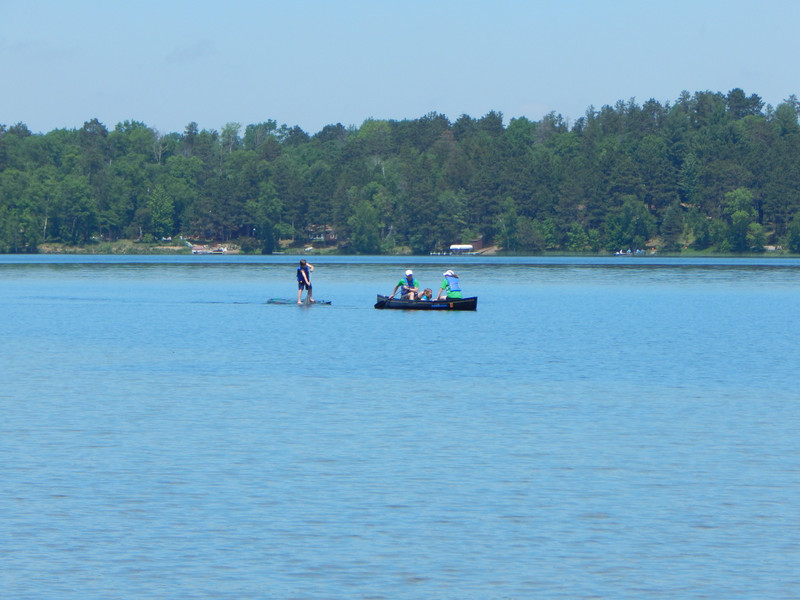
point(311, 62)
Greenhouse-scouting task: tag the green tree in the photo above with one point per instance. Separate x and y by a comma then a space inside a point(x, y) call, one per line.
point(181, 179)
point(266, 233)
point(256, 136)
point(740, 213)
point(230, 136)
point(738, 230)
point(756, 237)
point(94, 146)
point(161, 213)
point(630, 226)
point(656, 171)
point(77, 209)
point(188, 139)
point(507, 225)
point(531, 235)
point(740, 199)
point(365, 229)
point(793, 241)
point(740, 106)
point(577, 239)
point(785, 119)
point(450, 219)
point(672, 226)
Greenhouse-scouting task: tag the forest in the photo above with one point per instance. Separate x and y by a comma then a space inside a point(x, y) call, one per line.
point(709, 172)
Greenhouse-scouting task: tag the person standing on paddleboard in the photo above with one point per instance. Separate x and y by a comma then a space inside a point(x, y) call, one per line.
point(304, 281)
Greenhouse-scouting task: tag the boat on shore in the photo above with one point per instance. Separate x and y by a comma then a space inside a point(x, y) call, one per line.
point(449, 304)
point(207, 250)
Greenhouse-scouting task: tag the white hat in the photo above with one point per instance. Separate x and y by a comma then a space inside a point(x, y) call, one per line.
point(448, 272)
point(409, 272)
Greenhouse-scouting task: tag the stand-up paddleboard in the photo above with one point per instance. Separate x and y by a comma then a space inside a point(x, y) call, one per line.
point(290, 301)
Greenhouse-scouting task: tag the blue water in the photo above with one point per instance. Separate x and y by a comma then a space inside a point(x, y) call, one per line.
point(599, 428)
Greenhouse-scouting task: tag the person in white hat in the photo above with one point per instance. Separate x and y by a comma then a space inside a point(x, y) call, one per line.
point(451, 287)
point(408, 285)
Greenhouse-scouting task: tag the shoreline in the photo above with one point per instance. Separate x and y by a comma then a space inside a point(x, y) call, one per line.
point(130, 247)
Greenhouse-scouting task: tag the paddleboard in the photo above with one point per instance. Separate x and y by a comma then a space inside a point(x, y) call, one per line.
point(289, 301)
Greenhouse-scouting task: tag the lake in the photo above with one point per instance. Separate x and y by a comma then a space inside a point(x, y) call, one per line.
point(598, 428)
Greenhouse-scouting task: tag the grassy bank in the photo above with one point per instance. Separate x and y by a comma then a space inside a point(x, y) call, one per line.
point(116, 247)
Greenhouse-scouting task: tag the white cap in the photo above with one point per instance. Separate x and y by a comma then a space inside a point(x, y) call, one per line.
point(409, 272)
point(448, 272)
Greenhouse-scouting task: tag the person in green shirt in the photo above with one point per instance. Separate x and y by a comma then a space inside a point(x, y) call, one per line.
point(451, 288)
point(408, 286)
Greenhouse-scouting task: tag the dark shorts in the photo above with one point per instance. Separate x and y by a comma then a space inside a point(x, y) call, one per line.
point(301, 285)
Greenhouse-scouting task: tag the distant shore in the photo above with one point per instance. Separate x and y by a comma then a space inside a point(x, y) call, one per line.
point(133, 247)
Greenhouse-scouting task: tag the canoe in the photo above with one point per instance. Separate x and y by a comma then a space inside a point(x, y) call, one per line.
point(452, 304)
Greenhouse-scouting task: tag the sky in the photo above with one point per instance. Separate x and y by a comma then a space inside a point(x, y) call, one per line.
point(312, 63)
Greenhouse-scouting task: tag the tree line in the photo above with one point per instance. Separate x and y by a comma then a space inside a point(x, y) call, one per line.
point(710, 171)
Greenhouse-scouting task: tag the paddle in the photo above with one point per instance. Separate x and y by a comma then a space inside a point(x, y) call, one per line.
point(382, 303)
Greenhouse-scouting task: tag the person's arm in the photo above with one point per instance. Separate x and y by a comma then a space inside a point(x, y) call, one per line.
point(310, 267)
point(394, 291)
point(305, 277)
point(410, 289)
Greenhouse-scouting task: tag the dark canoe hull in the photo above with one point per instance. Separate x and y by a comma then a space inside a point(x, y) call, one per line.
point(452, 304)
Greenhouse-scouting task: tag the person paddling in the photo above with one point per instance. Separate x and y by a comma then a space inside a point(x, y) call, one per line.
point(304, 281)
point(408, 285)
